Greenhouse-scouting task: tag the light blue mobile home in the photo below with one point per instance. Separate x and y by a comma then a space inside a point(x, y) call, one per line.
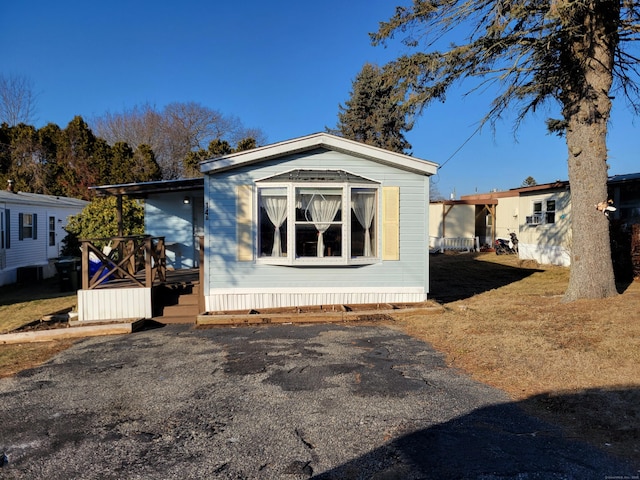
point(177, 216)
point(173, 209)
point(317, 220)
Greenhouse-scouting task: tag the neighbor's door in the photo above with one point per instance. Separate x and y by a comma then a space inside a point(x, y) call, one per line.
point(53, 243)
point(488, 238)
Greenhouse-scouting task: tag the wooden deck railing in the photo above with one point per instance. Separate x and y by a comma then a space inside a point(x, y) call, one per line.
point(138, 260)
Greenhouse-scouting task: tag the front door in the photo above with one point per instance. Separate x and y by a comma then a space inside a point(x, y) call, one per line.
point(198, 227)
point(3, 240)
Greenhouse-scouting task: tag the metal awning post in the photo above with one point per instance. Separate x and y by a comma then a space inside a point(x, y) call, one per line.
point(119, 215)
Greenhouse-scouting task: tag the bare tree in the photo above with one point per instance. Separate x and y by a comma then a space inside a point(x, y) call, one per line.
point(172, 133)
point(17, 100)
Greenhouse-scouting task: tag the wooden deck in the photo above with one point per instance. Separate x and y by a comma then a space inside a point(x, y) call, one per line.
point(174, 278)
point(124, 299)
point(131, 280)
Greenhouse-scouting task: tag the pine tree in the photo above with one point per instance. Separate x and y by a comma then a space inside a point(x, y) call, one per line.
point(372, 115)
point(569, 52)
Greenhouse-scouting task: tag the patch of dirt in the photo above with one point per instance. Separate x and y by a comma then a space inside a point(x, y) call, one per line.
point(41, 325)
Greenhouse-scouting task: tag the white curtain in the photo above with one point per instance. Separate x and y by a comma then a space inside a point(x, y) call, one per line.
point(276, 208)
point(323, 210)
point(363, 205)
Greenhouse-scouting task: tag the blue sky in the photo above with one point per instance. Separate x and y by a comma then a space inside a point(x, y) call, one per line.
point(281, 66)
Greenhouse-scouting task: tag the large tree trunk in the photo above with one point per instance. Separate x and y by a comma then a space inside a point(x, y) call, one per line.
point(587, 107)
point(591, 274)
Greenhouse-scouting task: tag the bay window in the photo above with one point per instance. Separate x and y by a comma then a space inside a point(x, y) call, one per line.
point(318, 217)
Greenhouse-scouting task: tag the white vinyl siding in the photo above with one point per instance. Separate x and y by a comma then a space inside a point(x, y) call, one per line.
point(26, 251)
point(547, 242)
point(114, 304)
point(30, 251)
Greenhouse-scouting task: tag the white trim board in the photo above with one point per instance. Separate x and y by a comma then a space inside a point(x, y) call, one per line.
point(318, 140)
point(232, 299)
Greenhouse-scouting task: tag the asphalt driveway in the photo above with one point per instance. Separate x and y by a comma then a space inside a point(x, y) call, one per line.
point(289, 401)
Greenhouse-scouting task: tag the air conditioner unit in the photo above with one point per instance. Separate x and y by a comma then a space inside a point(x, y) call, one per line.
point(535, 219)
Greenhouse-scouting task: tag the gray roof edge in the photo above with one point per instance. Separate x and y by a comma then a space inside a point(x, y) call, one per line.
point(179, 184)
point(40, 199)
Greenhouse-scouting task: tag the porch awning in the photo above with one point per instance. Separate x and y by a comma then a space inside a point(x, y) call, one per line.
point(142, 189)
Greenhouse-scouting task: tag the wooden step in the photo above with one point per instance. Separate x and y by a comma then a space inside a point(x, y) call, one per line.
point(181, 308)
point(171, 310)
point(190, 299)
point(183, 320)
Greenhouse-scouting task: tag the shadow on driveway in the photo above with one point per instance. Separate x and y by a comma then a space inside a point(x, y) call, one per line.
point(495, 442)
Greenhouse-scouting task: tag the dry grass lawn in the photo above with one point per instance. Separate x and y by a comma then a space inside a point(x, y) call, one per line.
point(21, 304)
point(576, 364)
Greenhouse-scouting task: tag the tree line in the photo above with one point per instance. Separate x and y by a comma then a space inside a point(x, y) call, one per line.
point(65, 162)
point(138, 145)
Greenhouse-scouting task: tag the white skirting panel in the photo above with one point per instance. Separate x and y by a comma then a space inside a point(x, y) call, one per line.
point(247, 299)
point(545, 254)
point(114, 304)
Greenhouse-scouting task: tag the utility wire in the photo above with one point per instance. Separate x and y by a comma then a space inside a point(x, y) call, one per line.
point(460, 147)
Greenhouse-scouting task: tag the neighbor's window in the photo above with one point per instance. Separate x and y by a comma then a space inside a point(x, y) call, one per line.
point(544, 212)
point(550, 213)
point(26, 227)
point(313, 222)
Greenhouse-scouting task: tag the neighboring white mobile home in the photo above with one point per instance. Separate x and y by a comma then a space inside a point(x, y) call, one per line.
point(545, 223)
point(540, 215)
point(31, 232)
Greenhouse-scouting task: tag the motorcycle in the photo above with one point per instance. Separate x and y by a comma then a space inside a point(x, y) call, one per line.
point(507, 247)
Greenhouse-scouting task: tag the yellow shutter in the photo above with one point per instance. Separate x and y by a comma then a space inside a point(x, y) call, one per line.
point(391, 223)
point(244, 223)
